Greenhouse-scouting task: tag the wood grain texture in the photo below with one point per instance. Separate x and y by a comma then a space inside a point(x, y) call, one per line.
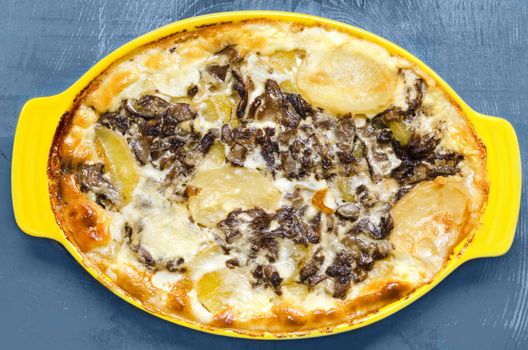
point(479, 47)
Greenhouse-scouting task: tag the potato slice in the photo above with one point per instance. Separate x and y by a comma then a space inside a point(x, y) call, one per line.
point(215, 157)
point(344, 80)
point(431, 219)
point(401, 133)
point(213, 292)
point(214, 288)
point(182, 99)
point(115, 153)
point(219, 107)
point(284, 61)
point(223, 288)
point(347, 193)
point(227, 188)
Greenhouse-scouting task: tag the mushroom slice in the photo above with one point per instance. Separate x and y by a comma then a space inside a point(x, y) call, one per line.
point(90, 178)
point(154, 107)
point(148, 106)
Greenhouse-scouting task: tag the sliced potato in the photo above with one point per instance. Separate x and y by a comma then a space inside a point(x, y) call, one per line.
point(343, 185)
point(227, 188)
point(345, 80)
point(401, 133)
point(283, 61)
point(182, 99)
point(118, 159)
point(219, 107)
point(213, 292)
point(215, 157)
point(431, 219)
point(223, 288)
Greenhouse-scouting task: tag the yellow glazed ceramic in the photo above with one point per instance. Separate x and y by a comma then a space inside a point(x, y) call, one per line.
point(40, 116)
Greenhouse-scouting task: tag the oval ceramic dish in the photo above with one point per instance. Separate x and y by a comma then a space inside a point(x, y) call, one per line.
point(40, 116)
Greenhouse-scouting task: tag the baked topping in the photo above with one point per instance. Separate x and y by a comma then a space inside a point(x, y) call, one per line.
point(266, 176)
point(366, 165)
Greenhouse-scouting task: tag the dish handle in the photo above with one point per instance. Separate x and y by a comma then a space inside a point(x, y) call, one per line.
point(495, 235)
point(29, 184)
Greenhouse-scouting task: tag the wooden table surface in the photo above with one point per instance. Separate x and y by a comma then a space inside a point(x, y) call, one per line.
point(47, 301)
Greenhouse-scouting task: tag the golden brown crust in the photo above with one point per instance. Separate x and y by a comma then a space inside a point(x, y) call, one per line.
point(286, 318)
point(178, 299)
point(84, 220)
point(86, 225)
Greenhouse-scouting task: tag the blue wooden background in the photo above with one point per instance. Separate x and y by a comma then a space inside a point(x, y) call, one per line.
point(47, 301)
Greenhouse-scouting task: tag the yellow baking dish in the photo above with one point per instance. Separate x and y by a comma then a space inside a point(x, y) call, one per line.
point(40, 116)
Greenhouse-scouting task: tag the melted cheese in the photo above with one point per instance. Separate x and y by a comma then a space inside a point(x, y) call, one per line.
point(169, 233)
